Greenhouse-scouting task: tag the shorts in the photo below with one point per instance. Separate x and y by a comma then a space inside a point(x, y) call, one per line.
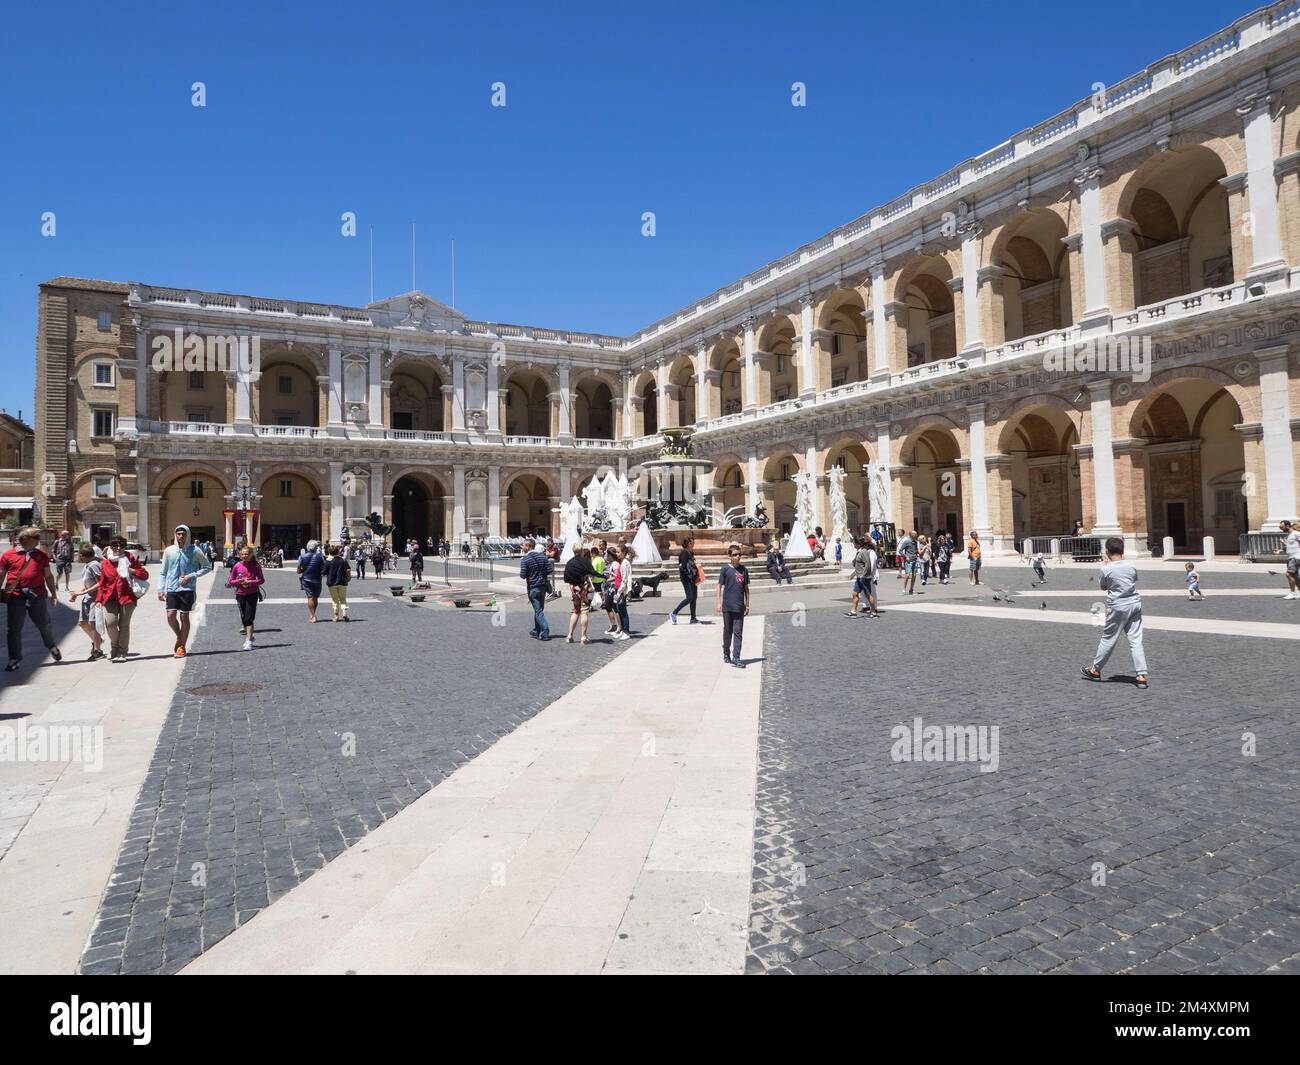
point(311, 589)
point(1293, 566)
point(62, 567)
point(181, 602)
point(909, 567)
point(974, 565)
point(580, 597)
point(865, 586)
point(87, 608)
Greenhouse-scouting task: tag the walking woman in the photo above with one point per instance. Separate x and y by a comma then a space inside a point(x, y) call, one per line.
point(377, 556)
point(688, 570)
point(943, 556)
point(578, 573)
point(247, 579)
point(90, 568)
point(417, 561)
point(117, 597)
point(337, 576)
point(29, 588)
point(362, 555)
point(626, 554)
point(311, 572)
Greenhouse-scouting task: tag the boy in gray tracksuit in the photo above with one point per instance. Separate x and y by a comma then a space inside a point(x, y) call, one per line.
point(1123, 612)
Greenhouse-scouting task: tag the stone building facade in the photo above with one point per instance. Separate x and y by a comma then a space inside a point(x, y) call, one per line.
point(1097, 320)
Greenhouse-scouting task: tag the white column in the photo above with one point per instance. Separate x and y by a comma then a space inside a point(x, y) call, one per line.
point(1261, 183)
point(1094, 262)
point(493, 400)
point(979, 476)
point(1275, 417)
point(751, 484)
point(751, 370)
point(376, 489)
point(336, 500)
point(970, 290)
point(458, 414)
point(878, 323)
point(566, 406)
point(375, 392)
point(142, 526)
point(243, 390)
point(807, 372)
point(142, 411)
point(629, 431)
point(1103, 461)
point(494, 501)
point(458, 508)
point(334, 422)
point(701, 382)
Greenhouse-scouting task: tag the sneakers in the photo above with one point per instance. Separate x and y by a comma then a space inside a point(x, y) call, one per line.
point(248, 645)
point(56, 654)
point(673, 618)
point(1292, 595)
point(1142, 681)
point(118, 658)
point(874, 616)
point(1090, 673)
point(95, 656)
point(179, 652)
point(14, 663)
point(852, 614)
point(738, 663)
point(622, 636)
point(726, 660)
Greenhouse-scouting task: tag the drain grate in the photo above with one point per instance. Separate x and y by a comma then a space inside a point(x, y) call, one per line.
point(224, 689)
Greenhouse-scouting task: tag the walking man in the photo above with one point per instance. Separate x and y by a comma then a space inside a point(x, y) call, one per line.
point(908, 551)
point(688, 570)
point(536, 569)
point(733, 605)
point(864, 577)
point(182, 565)
point(29, 589)
point(973, 555)
point(61, 552)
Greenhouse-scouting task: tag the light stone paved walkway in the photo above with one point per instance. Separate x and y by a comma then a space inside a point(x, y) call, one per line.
point(60, 825)
point(1025, 611)
point(613, 833)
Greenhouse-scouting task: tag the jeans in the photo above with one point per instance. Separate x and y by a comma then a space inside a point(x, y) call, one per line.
point(776, 573)
point(733, 629)
point(692, 591)
point(625, 623)
point(19, 606)
point(537, 596)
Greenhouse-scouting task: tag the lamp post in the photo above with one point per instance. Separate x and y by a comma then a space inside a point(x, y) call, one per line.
point(243, 500)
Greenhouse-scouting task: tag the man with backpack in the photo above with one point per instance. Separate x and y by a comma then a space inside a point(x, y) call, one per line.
point(61, 554)
point(865, 562)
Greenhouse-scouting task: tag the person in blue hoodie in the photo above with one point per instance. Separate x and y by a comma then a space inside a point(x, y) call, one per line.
point(182, 565)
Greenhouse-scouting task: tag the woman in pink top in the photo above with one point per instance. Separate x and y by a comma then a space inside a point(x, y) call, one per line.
point(247, 580)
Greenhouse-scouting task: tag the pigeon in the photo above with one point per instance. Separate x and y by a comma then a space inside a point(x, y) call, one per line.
point(1042, 606)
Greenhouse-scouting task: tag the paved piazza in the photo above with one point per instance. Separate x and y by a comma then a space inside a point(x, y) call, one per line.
point(512, 806)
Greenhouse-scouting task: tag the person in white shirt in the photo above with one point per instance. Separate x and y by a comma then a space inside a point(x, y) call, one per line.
point(1118, 579)
point(1291, 545)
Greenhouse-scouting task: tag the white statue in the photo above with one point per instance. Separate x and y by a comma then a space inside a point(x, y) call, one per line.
point(879, 492)
point(594, 494)
point(571, 514)
point(803, 504)
point(839, 505)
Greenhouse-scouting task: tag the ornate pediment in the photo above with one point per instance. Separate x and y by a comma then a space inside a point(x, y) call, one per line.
point(415, 310)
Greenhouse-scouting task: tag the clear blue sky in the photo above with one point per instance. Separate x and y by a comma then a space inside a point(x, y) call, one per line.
point(613, 109)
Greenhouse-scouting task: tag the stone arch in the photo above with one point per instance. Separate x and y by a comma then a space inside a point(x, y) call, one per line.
point(176, 506)
point(298, 402)
point(1246, 397)
point(547, 477)
point(1010, 417)
point(841, 352)
point(290, 520)
point(432, 479)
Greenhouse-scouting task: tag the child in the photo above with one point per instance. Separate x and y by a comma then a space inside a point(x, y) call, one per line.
point(1037, 563)
point(839, 552)
point(1193, 582)
point(247, 579)
point(1118, 579)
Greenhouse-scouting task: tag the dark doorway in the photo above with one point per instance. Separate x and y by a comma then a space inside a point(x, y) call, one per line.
point(411, 514)
point(1176, 523)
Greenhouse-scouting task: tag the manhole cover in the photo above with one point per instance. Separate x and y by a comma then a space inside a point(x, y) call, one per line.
point(224, 689)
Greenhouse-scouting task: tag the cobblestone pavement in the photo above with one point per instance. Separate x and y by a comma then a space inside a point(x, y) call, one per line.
point(249, 794)
point(866, 865)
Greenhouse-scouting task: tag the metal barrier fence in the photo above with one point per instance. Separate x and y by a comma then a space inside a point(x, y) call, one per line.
point(1260, 546)
point(1079, 548)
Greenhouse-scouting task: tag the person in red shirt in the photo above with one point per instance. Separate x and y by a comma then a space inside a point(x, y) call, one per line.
point(28, 591)
point(116, 597)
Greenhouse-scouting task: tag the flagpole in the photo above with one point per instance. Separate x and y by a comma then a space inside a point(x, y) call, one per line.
point(372, 264)
point(453, 273)
point(412, 256)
